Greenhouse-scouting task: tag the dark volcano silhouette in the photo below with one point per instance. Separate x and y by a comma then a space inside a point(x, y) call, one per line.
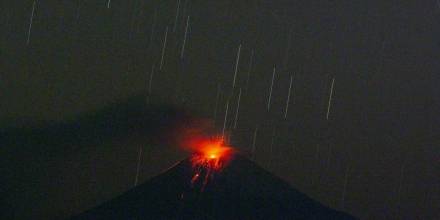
point(241, 190)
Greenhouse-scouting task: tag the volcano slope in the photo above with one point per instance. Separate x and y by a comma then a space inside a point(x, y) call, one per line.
point(240, 190)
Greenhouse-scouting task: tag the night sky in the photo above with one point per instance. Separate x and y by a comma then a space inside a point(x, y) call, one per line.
point(360, 133)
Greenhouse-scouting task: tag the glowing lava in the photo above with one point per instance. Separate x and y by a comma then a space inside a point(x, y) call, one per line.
point(211, 156)
point(210, 153)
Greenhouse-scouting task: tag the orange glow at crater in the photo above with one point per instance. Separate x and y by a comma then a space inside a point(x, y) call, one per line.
point(211, 153)
point(210, 156)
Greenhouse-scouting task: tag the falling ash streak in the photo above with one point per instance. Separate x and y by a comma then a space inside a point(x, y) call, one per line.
point(270, 91)
point(272, 140)
point(150, 83)
point(317, 153)
point(254, 140)
point(184, 8)
point(286, 57)
point(138, 166)
point(77, 11)
point(177, 15)
point(237, 60)
point(288, 97)
point(329, 157)
point(137, 30)
point(216, 102)
point(153, 27)
point(238, 108)
point(225, 119)
point(381, 62)
point(184, 38)
point(30, 22)
point(426, 202)
point(108, 3)
point(163, 48)
point(249, 69)
point(399, 190)
point(8, 16)
point(317, 164)
point(133, 19)
point(344, 191)
point(330, 98)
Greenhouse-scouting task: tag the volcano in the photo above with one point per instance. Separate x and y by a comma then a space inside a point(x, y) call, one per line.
point(239, 189)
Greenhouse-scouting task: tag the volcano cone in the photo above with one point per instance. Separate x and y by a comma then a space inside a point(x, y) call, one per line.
point(240, 190)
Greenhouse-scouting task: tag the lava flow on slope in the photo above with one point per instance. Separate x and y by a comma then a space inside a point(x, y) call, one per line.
point(215, 182)
point(210, 157)
point(210, 152)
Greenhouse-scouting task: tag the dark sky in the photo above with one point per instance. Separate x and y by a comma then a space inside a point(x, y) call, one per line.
point(383, 121)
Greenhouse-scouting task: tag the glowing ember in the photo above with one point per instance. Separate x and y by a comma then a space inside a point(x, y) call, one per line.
point(210, 153)
point(211, 156)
